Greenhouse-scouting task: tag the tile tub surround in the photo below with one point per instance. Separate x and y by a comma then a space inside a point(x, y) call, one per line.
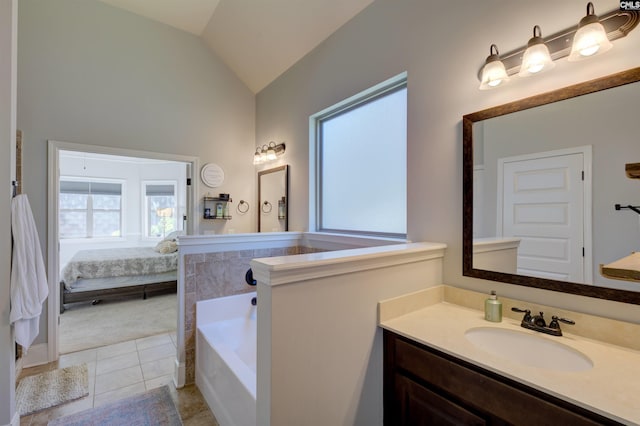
point(433, 318)
point(214, 266)
point(220, 274)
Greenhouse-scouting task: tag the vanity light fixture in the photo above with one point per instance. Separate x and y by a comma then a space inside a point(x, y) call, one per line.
point(271, 151)
point(591, 38)
point(268, 153)
point(536, 58)
point(576, 42)
point(493, 72)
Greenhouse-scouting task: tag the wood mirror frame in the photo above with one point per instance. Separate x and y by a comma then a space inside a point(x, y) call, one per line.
point(285, 170)
point(614, 80)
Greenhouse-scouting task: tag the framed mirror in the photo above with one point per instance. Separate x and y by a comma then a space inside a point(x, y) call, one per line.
point(273, 199)
point(541, 179)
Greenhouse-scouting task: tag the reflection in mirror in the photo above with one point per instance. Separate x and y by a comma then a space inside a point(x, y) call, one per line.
point(273, 199)
point(542, 177)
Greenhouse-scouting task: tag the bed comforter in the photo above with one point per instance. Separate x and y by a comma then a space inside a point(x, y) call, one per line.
point(117, 262)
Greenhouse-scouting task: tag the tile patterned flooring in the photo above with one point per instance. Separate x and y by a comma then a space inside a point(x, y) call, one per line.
point(122, 370)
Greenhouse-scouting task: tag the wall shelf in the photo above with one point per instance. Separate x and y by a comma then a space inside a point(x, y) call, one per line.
point(627, 268)
point(633, 170)
point(210, 207)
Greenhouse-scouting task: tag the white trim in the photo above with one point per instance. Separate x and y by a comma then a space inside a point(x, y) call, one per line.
point(53, 255)
point(290, 269)
point(331, 241)
point(481, 245)
point(16, 419)
point(587, 226)
point(36, 355)
point(180, 375)
point(190, 244)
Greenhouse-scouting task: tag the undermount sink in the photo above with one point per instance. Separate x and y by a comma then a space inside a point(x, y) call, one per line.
point(528, 349)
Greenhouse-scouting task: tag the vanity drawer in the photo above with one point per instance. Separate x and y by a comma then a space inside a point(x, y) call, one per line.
point(486, 394)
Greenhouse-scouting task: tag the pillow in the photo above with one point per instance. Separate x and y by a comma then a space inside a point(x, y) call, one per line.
point(173, 236)
point(165, 247)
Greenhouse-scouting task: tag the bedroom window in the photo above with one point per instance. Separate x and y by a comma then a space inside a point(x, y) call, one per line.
point(160, 202)
point(360, 167)
point(90, 209)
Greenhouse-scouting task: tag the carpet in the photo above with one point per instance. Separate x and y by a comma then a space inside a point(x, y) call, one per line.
point(85, 326)
point(152, 408)
point(44, 390)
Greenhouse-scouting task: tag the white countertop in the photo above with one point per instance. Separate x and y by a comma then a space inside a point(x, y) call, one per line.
point(611, 388)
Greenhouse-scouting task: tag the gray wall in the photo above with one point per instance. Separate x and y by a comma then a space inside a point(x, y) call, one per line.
point(7, 171)
point(441, 45)
point(93, 74)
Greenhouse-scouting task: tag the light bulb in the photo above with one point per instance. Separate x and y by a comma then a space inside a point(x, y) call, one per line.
point(493, 72)
point(536, 58)
point(590, 39)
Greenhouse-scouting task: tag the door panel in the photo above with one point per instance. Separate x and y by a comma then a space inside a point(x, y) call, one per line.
point(543, 204)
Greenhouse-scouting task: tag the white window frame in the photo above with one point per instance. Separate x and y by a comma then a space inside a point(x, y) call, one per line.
point(89, 236)
point(145, 218)
point(386, 87)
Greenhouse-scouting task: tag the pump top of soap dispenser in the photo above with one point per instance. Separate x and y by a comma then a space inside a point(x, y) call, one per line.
point(493, 295)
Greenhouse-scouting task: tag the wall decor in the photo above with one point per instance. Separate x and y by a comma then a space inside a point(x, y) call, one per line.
point(212, 175)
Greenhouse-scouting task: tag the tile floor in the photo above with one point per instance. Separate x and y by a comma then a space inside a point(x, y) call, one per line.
point(125, 369)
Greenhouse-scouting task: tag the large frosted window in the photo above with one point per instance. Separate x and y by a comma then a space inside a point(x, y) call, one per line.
point(362, 150)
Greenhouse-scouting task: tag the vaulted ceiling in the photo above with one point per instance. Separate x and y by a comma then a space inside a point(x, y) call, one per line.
point(257, 39)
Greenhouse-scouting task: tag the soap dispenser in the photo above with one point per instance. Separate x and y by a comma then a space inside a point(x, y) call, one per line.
point(493, 308)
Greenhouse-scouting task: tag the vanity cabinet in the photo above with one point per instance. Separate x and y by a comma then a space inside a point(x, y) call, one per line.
point(423, 386)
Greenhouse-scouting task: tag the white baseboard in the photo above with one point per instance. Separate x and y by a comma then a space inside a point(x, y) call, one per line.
point(36, 355)
point(179, 375)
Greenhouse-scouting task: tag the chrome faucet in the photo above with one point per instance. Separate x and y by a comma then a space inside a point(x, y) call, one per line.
point(538, 323)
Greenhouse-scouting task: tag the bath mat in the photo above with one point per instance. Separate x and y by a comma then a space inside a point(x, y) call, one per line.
point(152, 408)
point(44, 390)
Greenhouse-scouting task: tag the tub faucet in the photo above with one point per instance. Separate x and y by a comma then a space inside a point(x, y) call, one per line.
point(248, 277)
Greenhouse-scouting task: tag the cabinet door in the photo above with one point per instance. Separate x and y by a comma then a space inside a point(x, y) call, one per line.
point(418, 406)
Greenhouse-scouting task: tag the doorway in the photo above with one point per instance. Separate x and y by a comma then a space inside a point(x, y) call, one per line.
point(107, 198)
point(545, 200)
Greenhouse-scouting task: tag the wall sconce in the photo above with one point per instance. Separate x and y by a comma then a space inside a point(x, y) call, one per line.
point(537, 57)
point(493, 73)
point(268, 153)
point(590, 37)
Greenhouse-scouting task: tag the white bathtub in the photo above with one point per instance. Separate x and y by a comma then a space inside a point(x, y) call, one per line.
point(226, 357)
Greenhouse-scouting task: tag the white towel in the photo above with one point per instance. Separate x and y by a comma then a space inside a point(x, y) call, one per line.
point(29, 288)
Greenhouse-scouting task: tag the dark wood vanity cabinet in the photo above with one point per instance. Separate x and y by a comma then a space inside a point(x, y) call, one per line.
point(423, 386)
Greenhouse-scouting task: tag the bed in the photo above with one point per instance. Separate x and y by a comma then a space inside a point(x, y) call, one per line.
point(93, 275)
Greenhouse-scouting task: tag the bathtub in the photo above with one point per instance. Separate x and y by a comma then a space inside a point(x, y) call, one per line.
point(226, 357)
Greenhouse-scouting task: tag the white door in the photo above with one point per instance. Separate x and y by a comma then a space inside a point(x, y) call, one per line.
point(543, 204)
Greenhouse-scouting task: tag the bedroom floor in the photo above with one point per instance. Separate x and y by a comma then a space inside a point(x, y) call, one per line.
point(124, 369)
point(115, 321)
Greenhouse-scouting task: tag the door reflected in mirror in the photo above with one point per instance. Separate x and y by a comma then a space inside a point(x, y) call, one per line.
point(542, 178)
point(273, 199)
